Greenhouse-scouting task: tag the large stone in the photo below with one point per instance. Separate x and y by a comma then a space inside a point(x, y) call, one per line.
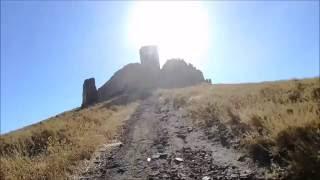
point(132, 79)
point(149, 58)
point(150, 63)
point(177, 73)
point(90, 93)
point(129, 79)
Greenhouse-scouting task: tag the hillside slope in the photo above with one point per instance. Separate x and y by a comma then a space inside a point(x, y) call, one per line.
point(276, 123)
point(62, 145)
point(248, 131)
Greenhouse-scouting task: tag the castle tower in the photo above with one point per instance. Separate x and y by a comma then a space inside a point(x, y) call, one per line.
point(149, 58)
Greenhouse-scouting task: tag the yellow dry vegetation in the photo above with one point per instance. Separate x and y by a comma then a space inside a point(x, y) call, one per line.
point(57, 148)
point(280, 119)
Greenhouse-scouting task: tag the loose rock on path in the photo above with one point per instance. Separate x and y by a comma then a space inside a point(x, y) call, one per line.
point(160, 143)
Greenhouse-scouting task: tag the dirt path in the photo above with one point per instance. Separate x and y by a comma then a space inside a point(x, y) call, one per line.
point(158, 143)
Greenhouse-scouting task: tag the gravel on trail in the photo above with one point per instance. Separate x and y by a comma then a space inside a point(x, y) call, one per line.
point(158, 142)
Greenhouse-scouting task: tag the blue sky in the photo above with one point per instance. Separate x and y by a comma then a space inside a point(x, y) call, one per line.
point(49, 48)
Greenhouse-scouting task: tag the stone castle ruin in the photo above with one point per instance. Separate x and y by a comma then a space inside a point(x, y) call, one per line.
point(143, 77)
point(149, 58)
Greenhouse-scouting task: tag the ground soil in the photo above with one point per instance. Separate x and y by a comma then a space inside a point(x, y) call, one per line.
point(159, 142)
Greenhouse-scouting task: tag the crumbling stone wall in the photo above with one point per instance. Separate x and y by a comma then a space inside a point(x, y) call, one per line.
point(140, 78)
point(89, 93)
point(177, 73)
point(149, 58)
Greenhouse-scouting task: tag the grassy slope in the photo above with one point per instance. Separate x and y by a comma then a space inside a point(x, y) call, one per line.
point(59, 146)
point(275, 121)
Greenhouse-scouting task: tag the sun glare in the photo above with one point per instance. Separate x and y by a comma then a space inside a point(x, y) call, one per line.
point(179, 29)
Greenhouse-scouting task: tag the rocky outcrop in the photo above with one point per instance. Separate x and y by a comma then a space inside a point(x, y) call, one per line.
point(149, 58)
point(141, 78)
point(90, 93)
point(177, 73)
point(135, 78)
point(132, 78)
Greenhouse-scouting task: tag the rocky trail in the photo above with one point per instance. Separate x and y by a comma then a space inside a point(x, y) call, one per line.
point(159, 143)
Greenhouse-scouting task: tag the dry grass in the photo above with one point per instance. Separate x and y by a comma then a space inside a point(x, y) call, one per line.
point(276, 121)
point(57, 148)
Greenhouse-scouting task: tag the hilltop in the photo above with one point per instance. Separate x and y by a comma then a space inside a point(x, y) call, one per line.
point(138, 79)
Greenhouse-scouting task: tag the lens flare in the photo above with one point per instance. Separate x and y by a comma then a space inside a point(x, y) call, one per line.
point(179, 29)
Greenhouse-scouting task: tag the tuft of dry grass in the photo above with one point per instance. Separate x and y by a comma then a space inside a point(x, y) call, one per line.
point(58, 147)
point(277, 122)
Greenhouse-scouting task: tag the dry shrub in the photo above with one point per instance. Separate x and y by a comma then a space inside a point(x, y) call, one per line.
point(316, 94)
point(302, 147)
point(260, 151)
point(238, 127)
point(256, 121)
point(294, 96)
point(56, 148)
point(205, 115)
point(273, 117)
point(179, 101)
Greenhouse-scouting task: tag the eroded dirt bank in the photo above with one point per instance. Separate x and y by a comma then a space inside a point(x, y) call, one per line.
point(160, 143)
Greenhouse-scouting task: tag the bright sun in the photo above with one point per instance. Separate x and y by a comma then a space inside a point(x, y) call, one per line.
point(179, 29)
